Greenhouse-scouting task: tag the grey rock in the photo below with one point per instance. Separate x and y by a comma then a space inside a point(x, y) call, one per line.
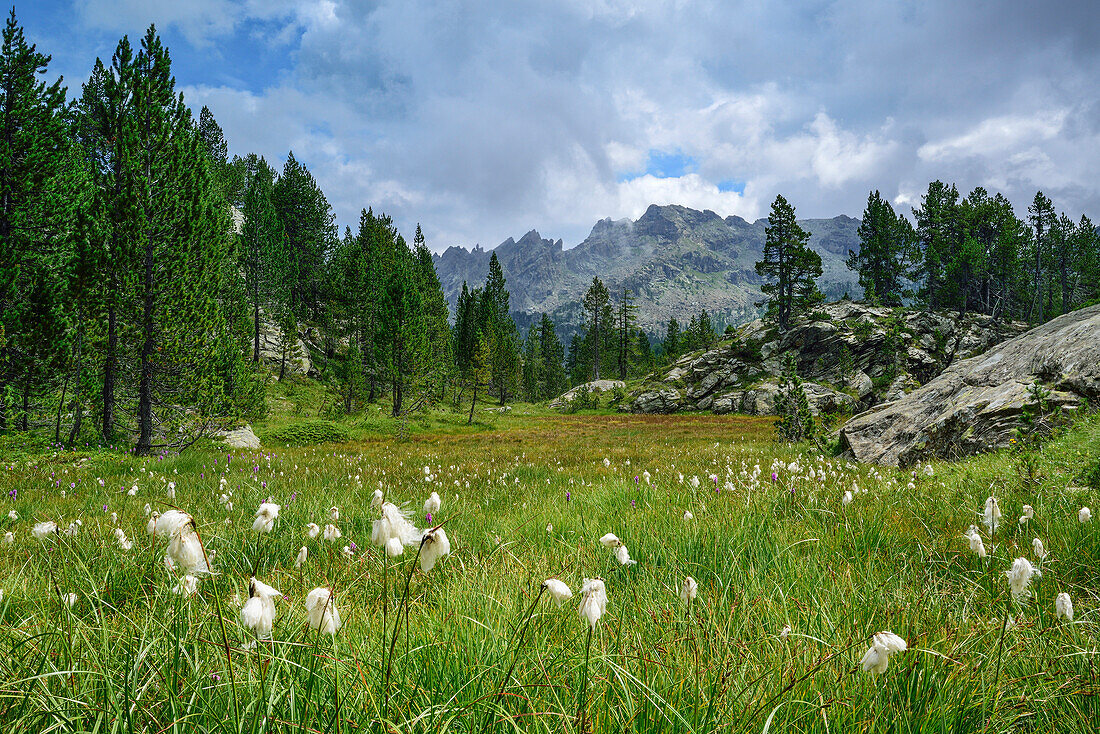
point(658, 401)
point(929, 343)
point(241, 438)
point(596, 386)
point(976, 405)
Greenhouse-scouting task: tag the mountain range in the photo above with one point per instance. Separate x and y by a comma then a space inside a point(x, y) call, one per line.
point(675, 260)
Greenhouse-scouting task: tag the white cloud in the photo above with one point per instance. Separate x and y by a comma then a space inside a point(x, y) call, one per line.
point(996, 136)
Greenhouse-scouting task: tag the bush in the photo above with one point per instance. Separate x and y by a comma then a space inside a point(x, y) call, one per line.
point(748, 351)
point(305, 433)
point(820, 316)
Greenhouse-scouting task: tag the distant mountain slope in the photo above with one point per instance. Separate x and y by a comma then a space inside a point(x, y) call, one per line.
point(676, 260)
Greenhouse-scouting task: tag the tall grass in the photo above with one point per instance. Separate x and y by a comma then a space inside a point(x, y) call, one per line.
point(468, 648)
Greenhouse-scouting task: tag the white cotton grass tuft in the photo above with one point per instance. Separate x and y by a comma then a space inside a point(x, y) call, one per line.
point(185, 550)
point(991, 517)
point(847, 498)
point(334, 514)
point(332, 533)
point(623, 556)
point(1063, 607)
point(187, 586)
point(313, 530)
point(123, 542)
point(1019, 578)
point(688, 515)
point(1029, 513)
point(689, 590)
point(883, 645)
point(376, 499)
point(69, 600)
point(610, 540)
point(1038, 549)
point(394, 547)
point(593, 601)
point(559, 591)
point(434, 546)
point(42, 530)
point(9, 538)
point(432, 504)
point(13, 515)
point(976, 544)
point(166, 524)
point(393, 525)
point(1084, 515)
point(266, 516)
point(321, 608)
point(302, 555)
point(258, 613)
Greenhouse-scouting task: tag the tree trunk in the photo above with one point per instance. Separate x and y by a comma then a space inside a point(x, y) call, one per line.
point(256, 333)
point(109, 369)
point(25, 418)
point(78, 388)
point(473, 402)
point(60, 406)
point(148, 346)
point(397, 395)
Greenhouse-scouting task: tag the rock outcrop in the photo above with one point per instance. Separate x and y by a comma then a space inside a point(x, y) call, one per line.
point(977, 404)
point(241, 438)
point(297, 360)
point(850, 355)
point(596, 387)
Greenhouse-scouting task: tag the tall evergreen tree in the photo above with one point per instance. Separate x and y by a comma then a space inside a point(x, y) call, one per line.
point(106, 129)
point(435, 316)
point(885, 249)
point(552, 378)
point(938, 231)
point(309, 225)
point(672, 346)
point(789, 266)
point(187, 357)
point(1042, 218)
point(38, 206)
point(595, 300)
point(626, 315)
point(262, 251)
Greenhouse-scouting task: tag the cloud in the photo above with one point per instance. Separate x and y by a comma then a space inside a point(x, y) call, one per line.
point(483, 119)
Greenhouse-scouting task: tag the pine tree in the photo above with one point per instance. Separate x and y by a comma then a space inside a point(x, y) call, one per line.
point(39, 201)
point(1042, 219)
point(435, 315)
point(262, 250)
point(595, 300)
point(625, 317)
point(939, 236)
point(189, 363)
point(105, 129)
point(308, 223)
point(796, 421)
point(672, 346)
point(705, 331)
point(789, 266)
point(552, 356)
point(885, 248)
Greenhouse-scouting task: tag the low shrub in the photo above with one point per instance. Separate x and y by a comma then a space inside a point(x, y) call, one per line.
point(304, 433)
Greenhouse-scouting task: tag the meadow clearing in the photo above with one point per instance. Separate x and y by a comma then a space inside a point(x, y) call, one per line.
point(794, 578)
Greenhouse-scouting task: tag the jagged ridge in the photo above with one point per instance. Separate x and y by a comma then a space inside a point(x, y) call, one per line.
point(676, 260)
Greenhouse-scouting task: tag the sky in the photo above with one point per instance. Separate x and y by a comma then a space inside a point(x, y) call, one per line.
point(483, 120)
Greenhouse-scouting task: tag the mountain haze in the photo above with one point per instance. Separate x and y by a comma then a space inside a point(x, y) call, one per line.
point(676, 261)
